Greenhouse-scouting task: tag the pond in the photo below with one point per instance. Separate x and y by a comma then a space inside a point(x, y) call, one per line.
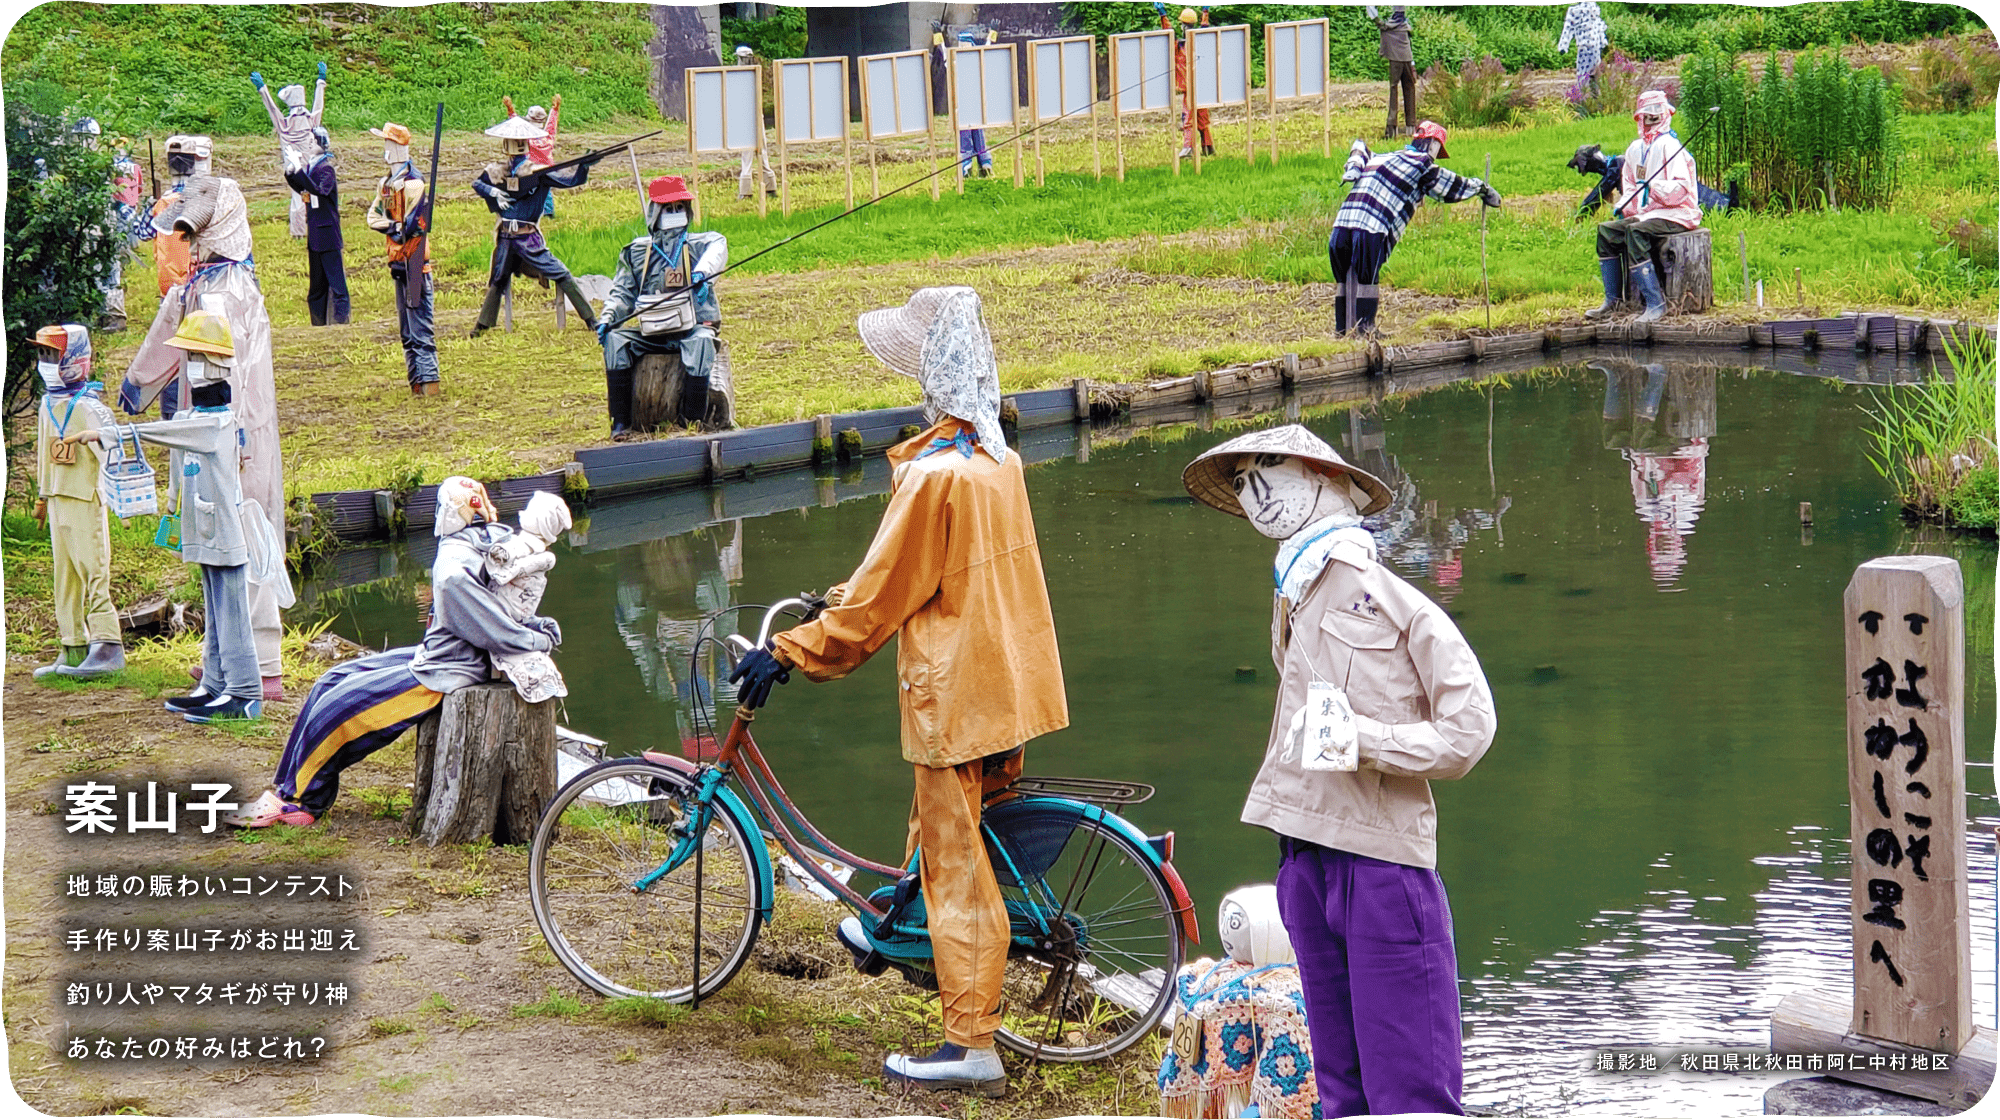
point(1654, 849)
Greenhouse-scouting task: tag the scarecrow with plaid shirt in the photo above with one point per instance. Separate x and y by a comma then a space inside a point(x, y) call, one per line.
point(1386, 191)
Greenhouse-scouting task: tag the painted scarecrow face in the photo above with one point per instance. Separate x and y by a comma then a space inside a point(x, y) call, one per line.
point(1277, 493)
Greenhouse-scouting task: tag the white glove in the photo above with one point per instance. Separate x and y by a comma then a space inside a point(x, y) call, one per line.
point(291, 160)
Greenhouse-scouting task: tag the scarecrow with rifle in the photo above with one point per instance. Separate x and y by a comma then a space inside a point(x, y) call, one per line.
point(516, 190)
point(402, 214)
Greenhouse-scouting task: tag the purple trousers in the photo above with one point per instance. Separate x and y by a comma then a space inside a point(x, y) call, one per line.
point(1380, 979)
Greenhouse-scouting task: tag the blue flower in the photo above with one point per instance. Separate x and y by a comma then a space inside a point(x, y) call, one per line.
point(1239, 1045)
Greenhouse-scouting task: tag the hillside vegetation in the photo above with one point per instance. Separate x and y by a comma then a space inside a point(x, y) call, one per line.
point(144, 68)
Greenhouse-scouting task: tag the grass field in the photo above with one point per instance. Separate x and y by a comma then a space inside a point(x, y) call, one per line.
point(1158, 275)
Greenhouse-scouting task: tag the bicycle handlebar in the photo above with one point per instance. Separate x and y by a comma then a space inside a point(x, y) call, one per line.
point(771, 615)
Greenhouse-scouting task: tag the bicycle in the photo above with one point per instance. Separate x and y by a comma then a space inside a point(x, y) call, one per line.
point(651, 876)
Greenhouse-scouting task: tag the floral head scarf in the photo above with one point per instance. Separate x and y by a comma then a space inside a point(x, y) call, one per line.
point(958, 373)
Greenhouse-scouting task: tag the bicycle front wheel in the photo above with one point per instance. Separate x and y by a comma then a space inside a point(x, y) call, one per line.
point(1099, 980)
point(614, 925)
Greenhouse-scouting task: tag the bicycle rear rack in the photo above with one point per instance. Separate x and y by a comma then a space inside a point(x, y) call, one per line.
point(1096, 791)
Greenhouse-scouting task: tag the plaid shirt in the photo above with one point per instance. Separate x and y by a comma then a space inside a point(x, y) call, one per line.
point(1390, 187)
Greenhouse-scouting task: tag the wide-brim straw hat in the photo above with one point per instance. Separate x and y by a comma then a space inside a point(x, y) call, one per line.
point(895, 335)
point(517, 128)
point(394, 133)
point(1210, 479)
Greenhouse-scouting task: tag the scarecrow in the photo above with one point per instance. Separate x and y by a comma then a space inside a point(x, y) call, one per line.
point(186, 156)
point(314, 180)
point(361, 706)
point(295, 125)
point(516, 191)
point(1584, 26)
point(542, 151)
point(956, 570)
point(222, 531)
point(209, 212)
point(1659, 198)
point(971, 141)
point(1378, 694)
point(664, 277)
point(1590, 163)
point(401, 216)
point(1371, 220)
point(746, 177)
point(1191, 119)
point(79, 529)
point(1395, 50)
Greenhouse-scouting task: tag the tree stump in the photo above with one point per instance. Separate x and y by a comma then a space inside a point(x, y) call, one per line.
point(486, 767)
point(656, 391)
point(1683, 263)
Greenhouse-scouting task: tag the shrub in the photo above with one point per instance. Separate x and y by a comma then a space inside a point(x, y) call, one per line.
point(1953, 76)
point(781, 35)
point(1798, 131)
point(1615, 88)
point(1480, 94)
point(59, 241)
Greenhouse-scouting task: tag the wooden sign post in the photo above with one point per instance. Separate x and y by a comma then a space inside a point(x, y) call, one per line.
point(896, 101)
point(812, 108)
point(1141, 82)
point(1295, 68)
point(725, 116)
point(1904, 618)
point(1221, 77)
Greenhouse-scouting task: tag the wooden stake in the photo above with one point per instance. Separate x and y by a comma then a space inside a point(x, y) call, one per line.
point(1799, 278)
point(784, 170)
point(1485, 286)
point(847, 134)
point(1743, 254)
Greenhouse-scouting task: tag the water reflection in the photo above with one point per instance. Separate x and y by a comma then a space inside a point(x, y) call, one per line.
point(1641, 859)
point(1660, 420)
point(1410, 534)
point(668, 589)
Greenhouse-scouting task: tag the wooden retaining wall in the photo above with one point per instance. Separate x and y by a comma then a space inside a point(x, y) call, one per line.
point(1835, 347)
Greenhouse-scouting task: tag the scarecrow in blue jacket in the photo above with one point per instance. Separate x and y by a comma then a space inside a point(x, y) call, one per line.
point(326, 270)
point(661, 300)
point(516, 190)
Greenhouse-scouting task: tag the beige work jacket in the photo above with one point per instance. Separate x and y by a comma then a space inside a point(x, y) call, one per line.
point(955, 571)
point(1421, 704)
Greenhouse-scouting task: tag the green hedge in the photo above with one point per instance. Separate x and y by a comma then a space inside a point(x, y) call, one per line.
point(1520, 35)
point(144, 67)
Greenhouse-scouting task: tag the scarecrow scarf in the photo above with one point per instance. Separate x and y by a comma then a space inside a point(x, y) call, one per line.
point(1252, 1045)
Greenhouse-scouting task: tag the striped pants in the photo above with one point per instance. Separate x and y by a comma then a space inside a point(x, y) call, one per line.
point(355, 709)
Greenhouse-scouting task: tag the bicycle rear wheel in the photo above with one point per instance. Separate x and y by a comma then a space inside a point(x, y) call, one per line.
point(608, 829)
point(1100, 980)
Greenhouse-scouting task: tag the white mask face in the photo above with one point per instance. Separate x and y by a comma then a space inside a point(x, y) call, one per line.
point(1278, 493)
point(1235, 931)
point(51, 372)
point(395, 153)
point(200, 371)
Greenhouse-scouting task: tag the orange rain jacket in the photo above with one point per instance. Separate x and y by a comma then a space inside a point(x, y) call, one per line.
point(955, 570)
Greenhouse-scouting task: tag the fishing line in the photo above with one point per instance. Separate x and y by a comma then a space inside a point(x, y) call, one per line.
point(890, 193)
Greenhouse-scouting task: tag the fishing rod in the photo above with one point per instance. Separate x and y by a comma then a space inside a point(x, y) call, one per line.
point(917, 182)
point(1685, 146)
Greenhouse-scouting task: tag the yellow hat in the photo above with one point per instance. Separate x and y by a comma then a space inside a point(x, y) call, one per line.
point(1188, 17)
point(204, 331)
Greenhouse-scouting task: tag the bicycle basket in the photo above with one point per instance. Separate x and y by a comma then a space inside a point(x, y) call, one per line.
point(126, 482)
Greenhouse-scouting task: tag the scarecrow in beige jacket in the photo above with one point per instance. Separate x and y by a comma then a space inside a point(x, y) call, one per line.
point(1378, 694)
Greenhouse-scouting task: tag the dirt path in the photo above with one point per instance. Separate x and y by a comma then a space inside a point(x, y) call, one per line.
point(456, 1009)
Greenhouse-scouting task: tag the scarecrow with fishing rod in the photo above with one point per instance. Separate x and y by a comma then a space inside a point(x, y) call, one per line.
point(1661, 197)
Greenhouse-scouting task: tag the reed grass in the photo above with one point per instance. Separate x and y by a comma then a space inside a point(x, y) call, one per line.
point(1935, 442)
